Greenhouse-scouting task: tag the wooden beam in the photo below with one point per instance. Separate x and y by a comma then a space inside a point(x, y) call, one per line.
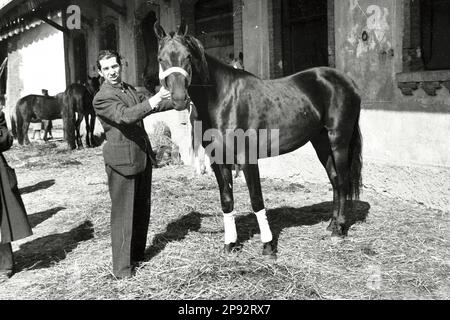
point(54, 24)
point(122, 10)
point(3, 67)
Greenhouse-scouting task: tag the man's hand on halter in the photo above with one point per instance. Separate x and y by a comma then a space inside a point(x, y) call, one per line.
point(163, 93)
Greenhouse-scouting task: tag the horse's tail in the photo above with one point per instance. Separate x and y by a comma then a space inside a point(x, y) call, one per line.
point(69, 118)
point(355, 160)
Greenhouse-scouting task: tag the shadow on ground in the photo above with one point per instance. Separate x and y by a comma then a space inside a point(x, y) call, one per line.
point(286, 217)
point(43, 252)
point(38, 186)
point(247, 226)
point(175, 231)
point(39, 217)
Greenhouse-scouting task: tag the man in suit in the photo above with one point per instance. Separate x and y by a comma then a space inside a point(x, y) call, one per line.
point(128, 160)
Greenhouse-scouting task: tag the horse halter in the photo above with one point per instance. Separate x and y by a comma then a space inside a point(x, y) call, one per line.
point(163, 74)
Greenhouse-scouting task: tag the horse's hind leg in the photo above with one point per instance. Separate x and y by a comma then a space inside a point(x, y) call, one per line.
point(251, 173)
point(321, 144)
point(92, 128)
point(46, 126)
point(225, 181)
point(77, 130)
point(24, 129)
point(88, 130)
point(340, 143)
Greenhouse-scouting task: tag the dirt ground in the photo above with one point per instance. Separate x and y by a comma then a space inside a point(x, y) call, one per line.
point(397, 248)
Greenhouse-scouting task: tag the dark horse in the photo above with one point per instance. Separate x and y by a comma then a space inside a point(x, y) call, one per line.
point(79, 101)
point(34, 108)
point(320, 105)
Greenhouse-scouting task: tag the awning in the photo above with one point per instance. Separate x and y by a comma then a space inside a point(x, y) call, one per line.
point(18, 16)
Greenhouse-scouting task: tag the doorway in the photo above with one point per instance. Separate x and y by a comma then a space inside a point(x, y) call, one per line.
point(305, 34)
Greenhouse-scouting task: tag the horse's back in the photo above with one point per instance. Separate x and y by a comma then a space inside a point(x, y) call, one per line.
point(327, 88)
point(79, 97)
point(39, 106)
point(330, 79)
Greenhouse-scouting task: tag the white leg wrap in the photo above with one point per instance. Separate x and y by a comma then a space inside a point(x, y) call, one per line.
point(266, 234)
point(230, 227)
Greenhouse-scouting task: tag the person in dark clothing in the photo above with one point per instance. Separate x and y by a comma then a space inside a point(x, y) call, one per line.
point(14, 224)
point(128, 160)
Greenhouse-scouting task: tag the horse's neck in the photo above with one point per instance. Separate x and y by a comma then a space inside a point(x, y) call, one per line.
point(219, 77)
point(217, 70)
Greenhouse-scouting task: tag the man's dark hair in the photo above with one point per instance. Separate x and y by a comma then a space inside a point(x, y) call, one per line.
point(106, 54)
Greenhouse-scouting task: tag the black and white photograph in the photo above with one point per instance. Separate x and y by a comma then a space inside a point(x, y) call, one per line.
point(241, 152)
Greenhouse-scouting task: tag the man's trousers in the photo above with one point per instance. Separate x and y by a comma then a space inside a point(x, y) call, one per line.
point(130, 217)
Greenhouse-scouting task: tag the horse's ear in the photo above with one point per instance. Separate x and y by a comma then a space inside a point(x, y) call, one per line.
point(159, 31)
point(183, 28)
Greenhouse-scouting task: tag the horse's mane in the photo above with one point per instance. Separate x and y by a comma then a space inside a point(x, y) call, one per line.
point(198, 52)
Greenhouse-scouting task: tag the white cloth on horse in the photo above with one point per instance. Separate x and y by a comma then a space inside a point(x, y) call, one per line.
point(230, 227)
point(266, 234)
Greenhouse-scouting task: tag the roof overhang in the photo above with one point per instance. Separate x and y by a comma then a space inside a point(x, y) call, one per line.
point(17, 16)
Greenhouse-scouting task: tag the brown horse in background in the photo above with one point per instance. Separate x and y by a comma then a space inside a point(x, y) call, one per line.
point(33, 108)
point(79, 101)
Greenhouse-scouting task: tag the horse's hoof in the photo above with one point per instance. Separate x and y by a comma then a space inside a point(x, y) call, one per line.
point(269, 250)
point(232, 247)
point(339, 231)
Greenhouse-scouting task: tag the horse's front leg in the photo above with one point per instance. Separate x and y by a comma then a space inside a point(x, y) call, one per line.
point(252, 177)
point(225, 180)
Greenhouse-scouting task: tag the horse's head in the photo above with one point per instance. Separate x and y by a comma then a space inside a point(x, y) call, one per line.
point(180, 57)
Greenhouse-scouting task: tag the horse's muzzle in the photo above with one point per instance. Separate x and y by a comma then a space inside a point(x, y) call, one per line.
point(180, 104)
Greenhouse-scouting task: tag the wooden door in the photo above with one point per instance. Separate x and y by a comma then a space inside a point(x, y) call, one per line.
point(305, 34)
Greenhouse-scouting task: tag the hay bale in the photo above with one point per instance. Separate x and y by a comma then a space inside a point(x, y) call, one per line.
point(166, 151)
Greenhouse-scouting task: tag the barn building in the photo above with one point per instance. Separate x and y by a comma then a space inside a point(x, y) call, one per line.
point(396, 51)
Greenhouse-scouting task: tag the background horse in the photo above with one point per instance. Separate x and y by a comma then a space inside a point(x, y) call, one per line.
point(320, 105)
point(33, 108)
point(79, 101)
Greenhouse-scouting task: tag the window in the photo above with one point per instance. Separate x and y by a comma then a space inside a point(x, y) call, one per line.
point(426, 43)
point(214, 27)
point(435, 25)
point(109, 36)
point(305, 34)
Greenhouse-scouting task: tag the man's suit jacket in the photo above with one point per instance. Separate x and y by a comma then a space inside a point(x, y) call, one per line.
point(121, 109)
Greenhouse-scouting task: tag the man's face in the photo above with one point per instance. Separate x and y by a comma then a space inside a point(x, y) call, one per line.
point(110, 70)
